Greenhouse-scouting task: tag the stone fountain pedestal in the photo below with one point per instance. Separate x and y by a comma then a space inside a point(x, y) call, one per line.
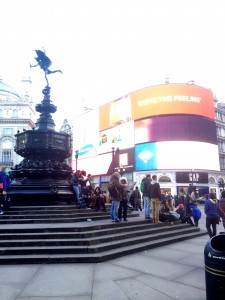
point(43, 174)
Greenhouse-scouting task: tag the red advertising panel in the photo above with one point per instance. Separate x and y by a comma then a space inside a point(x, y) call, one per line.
point(158, 100)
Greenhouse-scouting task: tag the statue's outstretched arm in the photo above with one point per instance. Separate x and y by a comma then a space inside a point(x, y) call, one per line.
point(34, 65)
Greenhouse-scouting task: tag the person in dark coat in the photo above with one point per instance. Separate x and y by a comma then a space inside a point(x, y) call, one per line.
point(122, 211)
point(146, 195)
point(222, 208)
point(115, 189)
point(4, 186)
point(155, 199)
point(211, 208)
point(98, 199)
point(137, 199)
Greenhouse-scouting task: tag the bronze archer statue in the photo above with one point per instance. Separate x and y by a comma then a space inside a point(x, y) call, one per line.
point(44, 62)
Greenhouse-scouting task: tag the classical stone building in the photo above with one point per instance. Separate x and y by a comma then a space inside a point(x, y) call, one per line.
point(16, 114)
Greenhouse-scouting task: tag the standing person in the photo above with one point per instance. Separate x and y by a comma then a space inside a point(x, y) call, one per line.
point(222, 207)
point(4, 185)
point(155, 199)
point(83, 183)
point(192, 195)
point(76, 184)
point(196, 214)
point(146, 191)
point(211, 210)
point(131, 200)
point(124, 201)
point(114, 189)
point(137, 199)
point(188, 206)
point(181, 197)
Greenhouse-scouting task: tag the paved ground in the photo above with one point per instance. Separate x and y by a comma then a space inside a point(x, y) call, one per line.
point(174, 271)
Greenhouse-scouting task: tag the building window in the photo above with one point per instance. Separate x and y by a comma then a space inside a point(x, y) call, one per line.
point(15, 113)
point(7, 131)
point(7, 157)
point(164, 178)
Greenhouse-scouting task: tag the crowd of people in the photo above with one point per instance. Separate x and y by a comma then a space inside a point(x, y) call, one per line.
point(86, 195)
point(158, 207)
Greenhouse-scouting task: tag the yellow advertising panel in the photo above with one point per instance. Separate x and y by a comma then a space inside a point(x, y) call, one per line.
point(156, 101)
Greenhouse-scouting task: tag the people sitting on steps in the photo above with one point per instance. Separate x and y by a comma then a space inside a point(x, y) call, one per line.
point(98, 200)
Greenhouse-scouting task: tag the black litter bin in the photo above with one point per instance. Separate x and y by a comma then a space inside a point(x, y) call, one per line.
point(215, 268)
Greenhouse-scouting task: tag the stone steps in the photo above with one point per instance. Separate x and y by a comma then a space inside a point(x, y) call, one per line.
point(56, 241)
point(54, 214)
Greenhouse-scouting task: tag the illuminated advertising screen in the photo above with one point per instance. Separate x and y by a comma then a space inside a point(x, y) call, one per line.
point(156, 101)
point(103, 164)
point(121, 136)
point(95, 165)
point(175, 128)
point(124, 160)
point(176, 155)
point(86, 134)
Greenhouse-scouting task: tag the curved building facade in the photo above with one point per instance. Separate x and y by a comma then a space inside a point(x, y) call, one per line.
point(168, 130)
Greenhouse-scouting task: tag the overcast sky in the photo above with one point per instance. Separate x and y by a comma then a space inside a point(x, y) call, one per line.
point(108, 48)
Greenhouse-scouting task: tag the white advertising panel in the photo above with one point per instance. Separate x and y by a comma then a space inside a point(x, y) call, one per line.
point(176, 155)
point(121, 136)
point(86, 134)
point(96, 165)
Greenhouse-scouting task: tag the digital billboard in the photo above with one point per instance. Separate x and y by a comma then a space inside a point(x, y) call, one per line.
point(176, 155)
point(175, 128)
point(121, 136)
point(96, 165)
point(156, 101)
point(103, 164)
point(86, 134)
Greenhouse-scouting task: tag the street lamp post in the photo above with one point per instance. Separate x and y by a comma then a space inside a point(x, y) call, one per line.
point(76, 156)
point(113, 153)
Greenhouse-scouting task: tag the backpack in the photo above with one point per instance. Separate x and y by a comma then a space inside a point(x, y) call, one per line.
point(142, 187)
point(74, 180)
point(113, 190)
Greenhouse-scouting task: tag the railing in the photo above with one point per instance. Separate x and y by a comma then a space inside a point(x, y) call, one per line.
point(6, 163)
